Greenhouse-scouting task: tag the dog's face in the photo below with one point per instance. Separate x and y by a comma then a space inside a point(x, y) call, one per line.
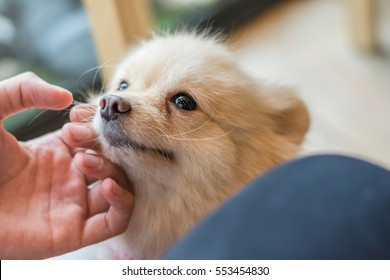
point(182, 102)
point(189, 127)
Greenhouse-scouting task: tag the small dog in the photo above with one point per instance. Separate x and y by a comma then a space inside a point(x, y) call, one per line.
point(190, 128)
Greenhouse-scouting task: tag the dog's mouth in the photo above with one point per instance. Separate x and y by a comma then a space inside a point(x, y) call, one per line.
point(117, 137)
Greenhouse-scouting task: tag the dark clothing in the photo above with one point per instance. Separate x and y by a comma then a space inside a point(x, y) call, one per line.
point(318, 207)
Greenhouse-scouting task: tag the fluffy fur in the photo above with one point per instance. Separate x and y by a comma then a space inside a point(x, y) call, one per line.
point(184, 163)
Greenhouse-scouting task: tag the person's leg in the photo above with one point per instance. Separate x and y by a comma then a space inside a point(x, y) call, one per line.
point(319, 207)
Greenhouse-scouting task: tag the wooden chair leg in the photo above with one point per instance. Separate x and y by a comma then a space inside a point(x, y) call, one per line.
point(116, 24)
point(361, 15)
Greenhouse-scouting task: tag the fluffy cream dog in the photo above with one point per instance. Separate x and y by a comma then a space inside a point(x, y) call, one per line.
point(190, 128)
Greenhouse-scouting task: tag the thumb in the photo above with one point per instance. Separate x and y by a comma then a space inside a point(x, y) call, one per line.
point(29, 91)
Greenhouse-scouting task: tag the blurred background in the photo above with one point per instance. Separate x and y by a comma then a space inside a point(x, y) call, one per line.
point(335, 53)
point(53, 38)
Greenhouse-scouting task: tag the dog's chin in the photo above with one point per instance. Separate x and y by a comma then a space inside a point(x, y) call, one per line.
point(114, 138)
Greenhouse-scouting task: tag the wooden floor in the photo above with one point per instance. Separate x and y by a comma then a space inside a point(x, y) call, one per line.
point(306, 44)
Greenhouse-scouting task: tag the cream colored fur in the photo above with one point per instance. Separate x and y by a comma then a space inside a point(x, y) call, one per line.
point(240, 129)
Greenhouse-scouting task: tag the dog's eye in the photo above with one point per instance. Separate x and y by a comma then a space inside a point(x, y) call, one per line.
point(122, 86)
point(184, 101)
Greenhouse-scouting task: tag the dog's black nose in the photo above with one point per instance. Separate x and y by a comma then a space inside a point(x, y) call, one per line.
point(111, 106)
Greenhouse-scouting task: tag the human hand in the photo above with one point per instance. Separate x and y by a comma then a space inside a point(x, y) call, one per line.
point(46, 208)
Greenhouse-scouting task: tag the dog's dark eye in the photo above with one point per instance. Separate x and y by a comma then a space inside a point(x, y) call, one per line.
point(122, 86)
point(184, 101)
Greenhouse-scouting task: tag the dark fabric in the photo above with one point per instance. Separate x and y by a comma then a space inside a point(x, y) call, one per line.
point(319, 207)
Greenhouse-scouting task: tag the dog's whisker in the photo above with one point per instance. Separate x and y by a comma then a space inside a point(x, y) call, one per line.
point(96, 68)
point(87, 119)
point(36, 117)
point(195, 129)
point(95, 145)
point(75, 102)
point(204, 138)
point(105, 64)
point(173, 136)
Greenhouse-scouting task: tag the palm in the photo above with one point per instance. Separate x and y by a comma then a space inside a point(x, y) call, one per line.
point(51, 195)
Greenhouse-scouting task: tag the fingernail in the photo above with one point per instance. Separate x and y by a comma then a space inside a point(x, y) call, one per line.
point(78, 111)
point(117, 190)
point(75, 111)
point(82, 112)
point(79, 132)
point(92, 161)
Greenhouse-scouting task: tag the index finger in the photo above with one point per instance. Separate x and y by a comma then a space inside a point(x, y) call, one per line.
point(29, 91)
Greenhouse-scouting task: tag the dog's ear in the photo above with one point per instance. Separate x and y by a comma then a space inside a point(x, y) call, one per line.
point(289, 116)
